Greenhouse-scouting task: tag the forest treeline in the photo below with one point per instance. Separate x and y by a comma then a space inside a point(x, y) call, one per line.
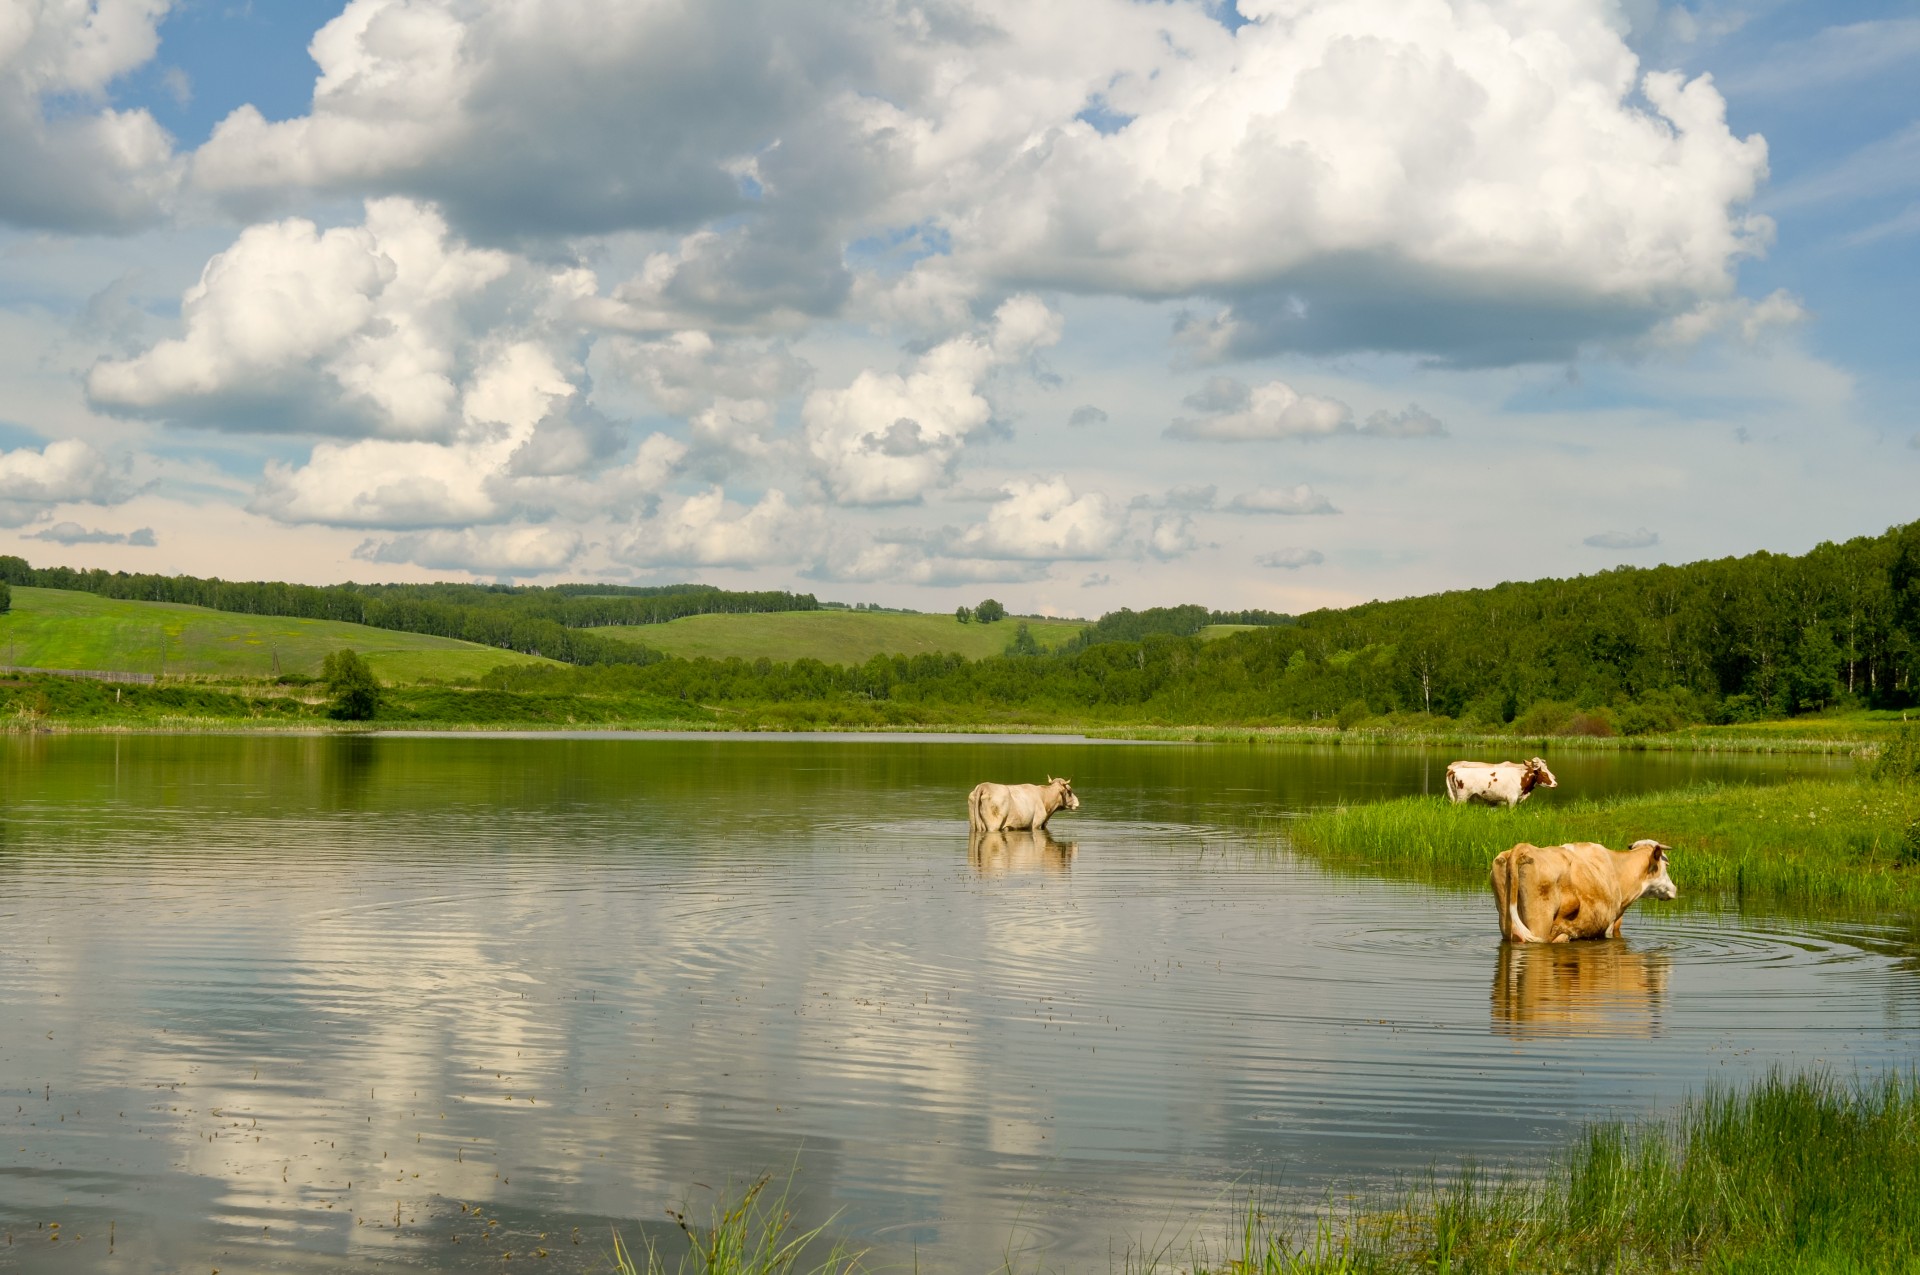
point(551, 621)
point(1628, 651)
point(1181, 621)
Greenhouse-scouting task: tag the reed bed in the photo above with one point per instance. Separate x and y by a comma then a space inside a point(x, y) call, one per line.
point(1812, 847)
point(1793, 1174)
point(754, 1234)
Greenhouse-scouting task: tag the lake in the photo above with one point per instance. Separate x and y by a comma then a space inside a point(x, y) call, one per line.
point(273, 1003)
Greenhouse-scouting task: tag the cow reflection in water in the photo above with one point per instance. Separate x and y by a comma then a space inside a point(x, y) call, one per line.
point(1579, 989)
point(1019, 850)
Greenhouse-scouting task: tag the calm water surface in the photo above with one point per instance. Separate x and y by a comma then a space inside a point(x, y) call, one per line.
point(271, 1003)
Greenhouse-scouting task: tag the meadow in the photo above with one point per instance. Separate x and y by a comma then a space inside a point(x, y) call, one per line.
point(837, 637)
point(63, 629)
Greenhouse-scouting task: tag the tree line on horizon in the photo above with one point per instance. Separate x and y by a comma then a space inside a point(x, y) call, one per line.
point(1628, 650)
point(1631, 650)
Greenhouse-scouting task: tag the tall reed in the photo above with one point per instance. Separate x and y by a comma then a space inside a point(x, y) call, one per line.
point(752, 1235)
point(1794, 1174)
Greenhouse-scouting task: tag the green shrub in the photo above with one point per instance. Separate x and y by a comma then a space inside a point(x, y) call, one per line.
point(1900, 757)
point(355, 691)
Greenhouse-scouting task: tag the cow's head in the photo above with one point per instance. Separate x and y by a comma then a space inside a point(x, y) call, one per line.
point(1656, 884)
point(1068, 799)
point(1541, 776)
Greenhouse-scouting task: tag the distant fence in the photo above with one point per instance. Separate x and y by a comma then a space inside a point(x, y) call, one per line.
point(91, 674)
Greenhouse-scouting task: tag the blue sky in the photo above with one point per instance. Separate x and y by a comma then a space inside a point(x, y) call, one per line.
point(1087, 305)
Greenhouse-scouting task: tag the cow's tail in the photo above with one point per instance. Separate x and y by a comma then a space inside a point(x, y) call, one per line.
point(974, 817)
point(1454, 786)
point(1517, 929)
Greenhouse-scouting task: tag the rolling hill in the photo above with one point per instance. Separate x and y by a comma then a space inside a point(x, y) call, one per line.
point(836, 637)
point(58, 628)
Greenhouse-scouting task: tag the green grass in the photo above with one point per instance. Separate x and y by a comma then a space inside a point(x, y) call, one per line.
point(1214, 631)
point(836, 637)
point(1811, 847)
point(752, 1235)
point(57, 628)
point(1794, 1174)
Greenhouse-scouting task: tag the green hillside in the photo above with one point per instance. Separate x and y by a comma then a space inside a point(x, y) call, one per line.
point(57, 628)
point(837, 637)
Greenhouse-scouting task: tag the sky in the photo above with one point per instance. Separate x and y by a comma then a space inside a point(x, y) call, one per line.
point(1083, 305)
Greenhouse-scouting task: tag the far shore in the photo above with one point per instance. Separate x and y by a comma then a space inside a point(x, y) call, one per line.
point(1774, 737)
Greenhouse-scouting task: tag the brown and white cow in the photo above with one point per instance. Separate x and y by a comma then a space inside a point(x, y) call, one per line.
point(1581, 890)
point(997, 807)
point(1497, 783)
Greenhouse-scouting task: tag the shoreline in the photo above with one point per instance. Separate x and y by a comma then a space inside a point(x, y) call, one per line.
point(1028, 732)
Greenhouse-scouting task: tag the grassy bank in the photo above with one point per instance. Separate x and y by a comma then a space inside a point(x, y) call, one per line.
point(1791, 1175)
point(1812, 847)
point(837, 637)
point(59, 628)
point(204, 702)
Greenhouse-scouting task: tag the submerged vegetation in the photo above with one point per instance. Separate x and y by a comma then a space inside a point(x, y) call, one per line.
point(1811, 847)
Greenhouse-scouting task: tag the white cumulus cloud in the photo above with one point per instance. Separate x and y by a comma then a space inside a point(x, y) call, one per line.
point(495, 551)
point(1291, 559)
point(356, 329)
point(708, 530)
point(70, 470)
point(1240, 414)
point(1302, 499)
point(889, 438)
point(1043, 519)
point(72, 162)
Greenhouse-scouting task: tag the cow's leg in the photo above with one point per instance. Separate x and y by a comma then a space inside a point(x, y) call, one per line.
point(1613, 931)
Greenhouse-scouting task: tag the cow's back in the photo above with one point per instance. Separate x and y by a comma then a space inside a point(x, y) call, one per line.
point(996, 807)
point(1494, 783)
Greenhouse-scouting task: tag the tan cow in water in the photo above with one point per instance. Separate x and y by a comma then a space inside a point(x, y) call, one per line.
point(1581, 890)
point(1497, 783)
point(997, 807)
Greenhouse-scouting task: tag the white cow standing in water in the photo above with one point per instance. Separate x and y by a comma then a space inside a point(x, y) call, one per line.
point(997, 807)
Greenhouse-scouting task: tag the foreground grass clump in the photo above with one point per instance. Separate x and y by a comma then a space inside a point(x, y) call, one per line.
point(1813, 846)
point(1799, 1174)
point(753, 1235)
